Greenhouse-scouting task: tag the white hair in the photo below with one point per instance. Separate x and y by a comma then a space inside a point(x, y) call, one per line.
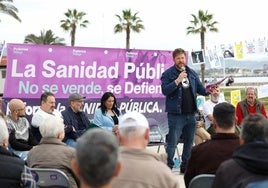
point(3, 131)
point(51, 127)
point(133, 131)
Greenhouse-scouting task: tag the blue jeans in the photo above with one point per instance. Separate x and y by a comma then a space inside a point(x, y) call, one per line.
point(180, 124)
point(71, 142)
point(21, 154)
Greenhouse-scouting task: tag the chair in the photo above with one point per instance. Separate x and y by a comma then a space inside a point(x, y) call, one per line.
point(258, 184)
point(157, 138)
point(49, 177)
point(202, 181)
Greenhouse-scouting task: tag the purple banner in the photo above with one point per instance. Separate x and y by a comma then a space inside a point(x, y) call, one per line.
point(33, 69)
point(133, 76)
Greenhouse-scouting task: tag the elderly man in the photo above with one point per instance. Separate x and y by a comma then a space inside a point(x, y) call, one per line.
point(21, 138)
point(250, 105)
point(47, 109)
point(52, 152)
point(75, 119)
point(140, 167)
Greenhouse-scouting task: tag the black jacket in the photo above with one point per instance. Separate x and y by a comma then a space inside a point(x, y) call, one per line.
point(249, 163)
point(71, 121)
point(11, 169)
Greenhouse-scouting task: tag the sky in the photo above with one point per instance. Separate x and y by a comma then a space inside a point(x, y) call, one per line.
point(165, 22)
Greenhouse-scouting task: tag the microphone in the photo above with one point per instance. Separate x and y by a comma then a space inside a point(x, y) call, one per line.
point(185, 82)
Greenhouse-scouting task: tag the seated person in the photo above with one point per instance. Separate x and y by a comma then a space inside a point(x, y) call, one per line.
point(21, 138)
point(140, 167)
point(47, 109)
point(96, 161)
point(52, 152)
point(75, 119)
point(14, 172)
point(201, 134)
point(206, 157)
point(106, 116)
point(249, 162)
point(208, 106)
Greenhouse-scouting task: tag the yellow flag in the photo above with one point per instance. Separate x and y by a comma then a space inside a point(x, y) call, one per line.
point(239, 50)
point(235, 97)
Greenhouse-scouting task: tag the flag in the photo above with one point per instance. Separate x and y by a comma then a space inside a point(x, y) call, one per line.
point(235, 97)
point(239, 50)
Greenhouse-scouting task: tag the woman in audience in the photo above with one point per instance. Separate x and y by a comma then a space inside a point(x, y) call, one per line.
point(106, 116)
point(52, 152)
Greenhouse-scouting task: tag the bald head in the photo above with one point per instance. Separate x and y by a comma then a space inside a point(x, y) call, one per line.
point(17, 108)
point(16, 104)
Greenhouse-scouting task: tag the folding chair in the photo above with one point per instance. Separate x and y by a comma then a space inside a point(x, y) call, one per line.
point(202, 181)
point(50, 177)
point(156, 136)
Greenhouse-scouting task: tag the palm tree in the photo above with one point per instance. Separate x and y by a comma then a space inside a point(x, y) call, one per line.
point(72, 21)
point(46, 37)
point(6, 7)
point(128, 23)
point(202, 23)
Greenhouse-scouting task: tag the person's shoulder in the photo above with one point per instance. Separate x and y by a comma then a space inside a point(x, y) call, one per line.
point(9, 119)
point(38, 111)
point(57, 113)
point(98, 111)
point(228, 165)
point(200, 147)
point(169, 69)
point(189, 69)
point(68, 148)
point(14, 159)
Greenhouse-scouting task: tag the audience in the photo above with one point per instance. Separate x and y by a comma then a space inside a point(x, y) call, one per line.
point(250, 105)
point(14, 173)
point(106, 116)
point(21, 139)
point(47, 109)
point(140, 167)
point(208, 106)
point(52, 152)
point(249, 162)
point(75, 119)
point(206, 157)
point(96, 161)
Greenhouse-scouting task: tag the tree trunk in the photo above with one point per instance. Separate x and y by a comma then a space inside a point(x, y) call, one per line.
point(203, 66)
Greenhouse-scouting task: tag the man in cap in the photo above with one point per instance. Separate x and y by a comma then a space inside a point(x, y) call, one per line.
point(75, 119)
point(140, 167)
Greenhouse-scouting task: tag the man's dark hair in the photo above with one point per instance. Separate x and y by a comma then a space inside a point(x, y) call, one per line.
point(178, 51)
point(45, 95)
point(97, 156)
point(224, 115)
point(254, 128)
